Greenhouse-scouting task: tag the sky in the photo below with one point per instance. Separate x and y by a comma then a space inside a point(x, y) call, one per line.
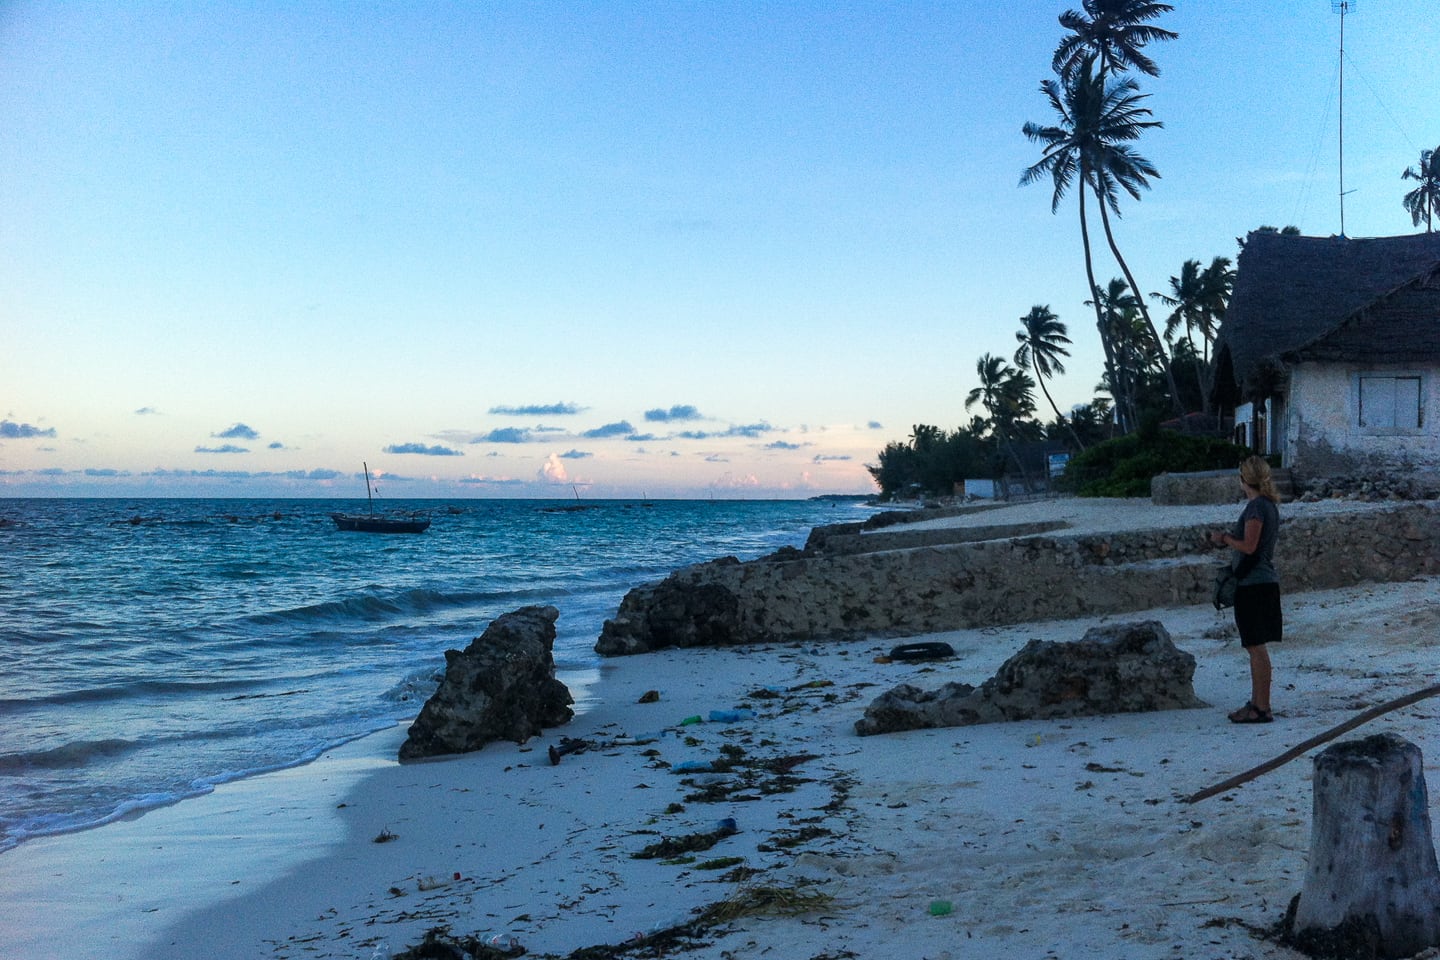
point(605, 249)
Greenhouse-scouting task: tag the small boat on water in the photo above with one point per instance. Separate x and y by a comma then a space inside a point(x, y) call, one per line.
point(373, 522)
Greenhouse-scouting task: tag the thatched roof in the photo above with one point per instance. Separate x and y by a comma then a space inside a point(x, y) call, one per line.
point(1326, 298)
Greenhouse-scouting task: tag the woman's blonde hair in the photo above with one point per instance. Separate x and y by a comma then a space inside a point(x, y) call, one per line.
point(1255, 472)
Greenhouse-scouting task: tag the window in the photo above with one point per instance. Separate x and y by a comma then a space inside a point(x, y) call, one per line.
point(1389, 404)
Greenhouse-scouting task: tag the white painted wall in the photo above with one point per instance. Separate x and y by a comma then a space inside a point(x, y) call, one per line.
point(1323, 435)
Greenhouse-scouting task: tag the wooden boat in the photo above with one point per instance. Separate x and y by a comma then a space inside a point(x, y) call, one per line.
point(373, 522)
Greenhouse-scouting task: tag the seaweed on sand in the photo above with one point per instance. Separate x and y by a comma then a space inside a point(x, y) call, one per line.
point(671, 847)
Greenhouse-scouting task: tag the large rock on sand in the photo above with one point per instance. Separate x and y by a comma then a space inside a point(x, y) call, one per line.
point(1118, 668)
point(501, 687)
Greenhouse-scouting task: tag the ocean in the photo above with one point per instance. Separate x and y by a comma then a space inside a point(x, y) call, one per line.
point(151, 649)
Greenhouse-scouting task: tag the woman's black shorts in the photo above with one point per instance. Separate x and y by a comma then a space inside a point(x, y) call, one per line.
point(1257, 614)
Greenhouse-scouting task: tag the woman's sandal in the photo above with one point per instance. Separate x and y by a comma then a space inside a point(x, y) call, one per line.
point(1251, 714)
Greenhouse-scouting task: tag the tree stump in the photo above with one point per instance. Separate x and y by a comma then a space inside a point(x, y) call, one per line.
point(1372, 887)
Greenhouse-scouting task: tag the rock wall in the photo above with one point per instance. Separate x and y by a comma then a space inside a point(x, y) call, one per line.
point(958, 585)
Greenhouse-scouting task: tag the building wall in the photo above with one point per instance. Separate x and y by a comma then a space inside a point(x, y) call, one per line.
point(1324, 435)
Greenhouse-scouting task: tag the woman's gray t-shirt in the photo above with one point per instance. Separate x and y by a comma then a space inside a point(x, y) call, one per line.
point(1258, 567)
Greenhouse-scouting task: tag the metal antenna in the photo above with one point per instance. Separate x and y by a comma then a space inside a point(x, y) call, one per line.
point(1342, 7)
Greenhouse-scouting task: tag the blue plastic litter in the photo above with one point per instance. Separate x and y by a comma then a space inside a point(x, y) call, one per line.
point(731, 716)
point(693, 766)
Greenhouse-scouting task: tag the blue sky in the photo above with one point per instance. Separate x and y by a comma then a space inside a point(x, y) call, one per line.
point(673, 249)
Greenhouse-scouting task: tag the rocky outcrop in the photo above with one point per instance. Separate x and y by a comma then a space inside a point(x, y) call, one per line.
point(1118, 668)
point(898, 591)
point(501, 687)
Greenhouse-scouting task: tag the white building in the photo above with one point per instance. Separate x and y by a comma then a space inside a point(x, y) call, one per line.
point(1329, 354)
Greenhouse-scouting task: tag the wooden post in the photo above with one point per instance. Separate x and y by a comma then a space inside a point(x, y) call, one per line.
point(1372, 873)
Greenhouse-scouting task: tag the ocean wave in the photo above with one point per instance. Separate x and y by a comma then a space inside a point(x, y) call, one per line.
point(123, 691)
point(374, 607)
point(65, 757)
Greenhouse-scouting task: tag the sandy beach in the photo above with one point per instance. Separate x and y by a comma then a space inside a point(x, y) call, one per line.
point(1065, 839)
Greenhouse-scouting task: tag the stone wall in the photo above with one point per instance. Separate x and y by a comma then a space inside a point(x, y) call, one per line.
point(948, 586)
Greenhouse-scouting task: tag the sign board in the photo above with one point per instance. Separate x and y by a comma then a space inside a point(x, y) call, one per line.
point(1057, 463)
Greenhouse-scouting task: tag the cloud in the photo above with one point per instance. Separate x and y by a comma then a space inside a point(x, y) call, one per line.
point(828, 458)
point(677, 412)
point(552, 471)
point(147, 412)
point(237, 431)
point(504, 435)
point(782, 445)
point(276, 445)
point(540, 410)
point(319, 474)
point(493, 481)
point(420, 448)
point(750, 430)
point(106, 472)
point(575, 455)
point(716, 458)
point(22, 431)
point(729, 481)
point(642, 438)
point(875, 425)
point(618, 429)
point(227, 448)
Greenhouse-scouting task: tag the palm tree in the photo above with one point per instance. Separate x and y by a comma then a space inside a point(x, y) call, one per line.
point(1138, 361)
point(1111, 32)
point(1064, 160)
point(1424, 201)
point(1097, 121)
point(1119, 165)
point(1005, 393)
point(1042, 343)
point(1190, 298)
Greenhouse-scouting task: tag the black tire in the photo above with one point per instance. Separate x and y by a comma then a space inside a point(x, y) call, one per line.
point(930, 650)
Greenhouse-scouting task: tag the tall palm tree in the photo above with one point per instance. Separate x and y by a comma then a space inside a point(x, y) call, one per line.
point(1005, 393)
point(1042, 343)
point(1066, 159)
point(1091, 143)
point(1424, 201)
point(1111, 32)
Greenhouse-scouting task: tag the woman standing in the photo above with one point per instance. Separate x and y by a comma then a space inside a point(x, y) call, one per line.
point(1257, 594)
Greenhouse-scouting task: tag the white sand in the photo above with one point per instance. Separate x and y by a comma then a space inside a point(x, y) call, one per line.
point(1049, 839)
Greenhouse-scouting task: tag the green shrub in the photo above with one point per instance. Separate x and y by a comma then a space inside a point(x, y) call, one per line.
point(1123, 467)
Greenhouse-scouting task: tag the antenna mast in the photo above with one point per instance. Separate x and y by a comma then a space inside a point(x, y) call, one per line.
point(1342, 7)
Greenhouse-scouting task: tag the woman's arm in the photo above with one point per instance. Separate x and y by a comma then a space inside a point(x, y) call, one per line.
point(1251, 543)
point(1253, 528)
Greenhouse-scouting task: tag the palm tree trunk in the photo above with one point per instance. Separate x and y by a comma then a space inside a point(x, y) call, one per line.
point(1024, 475)
point(1144, 311)
point(1121, 402)
point(1075, 436)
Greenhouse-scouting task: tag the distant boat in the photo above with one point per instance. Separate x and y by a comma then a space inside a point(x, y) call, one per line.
point(373, 522)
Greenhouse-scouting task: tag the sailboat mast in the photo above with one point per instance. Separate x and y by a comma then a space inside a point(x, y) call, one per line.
point(368, 495)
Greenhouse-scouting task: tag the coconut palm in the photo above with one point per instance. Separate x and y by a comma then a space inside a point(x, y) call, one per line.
point(1423, 202)
point(1005, 393)
point(1042, 343)
point(1091, 143)
point(1136, 360)
point(1066, 159)
point(1118, 166)
point(1112, 33)
point(1189, 298)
